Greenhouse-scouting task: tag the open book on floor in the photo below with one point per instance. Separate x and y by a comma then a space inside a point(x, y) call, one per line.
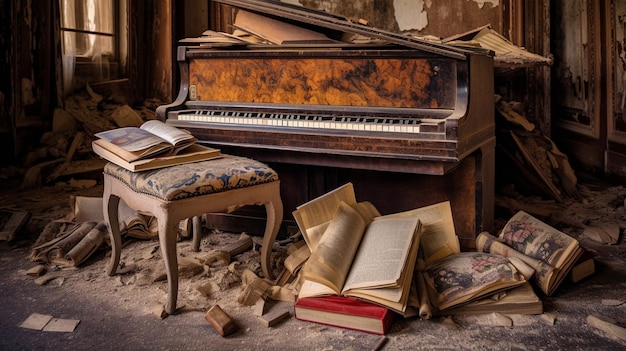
point(547, 250)
point(153, 138)
point(447, 278)
point(360, 254)
point(520, 300)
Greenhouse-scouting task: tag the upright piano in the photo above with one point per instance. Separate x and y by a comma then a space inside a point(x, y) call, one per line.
point(410, 122)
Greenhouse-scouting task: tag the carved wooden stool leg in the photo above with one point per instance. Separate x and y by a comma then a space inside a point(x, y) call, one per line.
point(167, 239)
point(111, 206)
point(274, 210)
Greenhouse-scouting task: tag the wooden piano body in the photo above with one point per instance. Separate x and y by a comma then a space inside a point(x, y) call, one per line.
point(408, 127)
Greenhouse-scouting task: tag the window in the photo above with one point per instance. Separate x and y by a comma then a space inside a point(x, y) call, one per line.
point(88, 27)
point(93, 40)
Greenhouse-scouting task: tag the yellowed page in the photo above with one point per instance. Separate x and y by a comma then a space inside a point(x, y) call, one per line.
point(537, 239)
point(321, 210)
point(488, 243)
point(534, 238)
point(313, 289)
point(381, 257)
point(170, 133)
point(466, 276)
point(438, 238)
point(394, 298)
point(331, 259)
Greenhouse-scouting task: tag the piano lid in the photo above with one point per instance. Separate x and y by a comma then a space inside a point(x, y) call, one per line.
point(274, 8)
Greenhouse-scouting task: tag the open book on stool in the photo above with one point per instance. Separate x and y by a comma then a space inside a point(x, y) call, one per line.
point(152, 145)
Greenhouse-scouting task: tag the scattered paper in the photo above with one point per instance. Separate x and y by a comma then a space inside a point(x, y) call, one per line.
point(61, 325)
point(36, 321)
point(48, 323)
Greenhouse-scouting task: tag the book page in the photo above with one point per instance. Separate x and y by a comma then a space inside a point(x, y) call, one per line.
point(177, 137)
point(313, 289)
point(466, 276)
point(331, 259)
point(396, 298)
point(438, 238)
point(380, 259)
point(321, 210)
point(538, 240)
point(131, 138)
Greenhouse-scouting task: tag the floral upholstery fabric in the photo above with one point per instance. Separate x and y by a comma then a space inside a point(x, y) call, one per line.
point(195, 179)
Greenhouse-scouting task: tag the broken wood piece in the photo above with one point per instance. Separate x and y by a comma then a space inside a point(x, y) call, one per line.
point(254, 288)
point(274, 317)
point(513, 116)
point(607, 325)
point(45, 279)
point(214, 256)
point(220, 320)
point(242, 244)
point(78, 139)
point(529, 157)
point(159, 310)
point(36, 271)
point(11, 223)
point(259, 308)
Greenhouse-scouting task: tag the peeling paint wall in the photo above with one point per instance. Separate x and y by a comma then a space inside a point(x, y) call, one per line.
point(440, 18)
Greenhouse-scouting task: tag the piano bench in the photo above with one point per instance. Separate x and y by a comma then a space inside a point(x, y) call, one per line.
point(190, 190)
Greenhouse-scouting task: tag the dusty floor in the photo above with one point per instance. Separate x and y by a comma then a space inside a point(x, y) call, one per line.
point(116, 312)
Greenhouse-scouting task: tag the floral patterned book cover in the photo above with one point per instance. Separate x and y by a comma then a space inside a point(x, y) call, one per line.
point(467, 276)
point(536, 239)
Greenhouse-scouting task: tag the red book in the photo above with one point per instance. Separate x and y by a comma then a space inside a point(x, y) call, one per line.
point(344, 312)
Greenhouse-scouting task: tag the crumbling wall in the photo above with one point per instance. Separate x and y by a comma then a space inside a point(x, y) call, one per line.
point(440, 18)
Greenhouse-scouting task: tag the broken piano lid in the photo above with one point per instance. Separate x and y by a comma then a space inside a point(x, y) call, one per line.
point(312, 17)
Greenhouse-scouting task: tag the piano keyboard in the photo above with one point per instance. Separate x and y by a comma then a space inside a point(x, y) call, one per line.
point(378, 124)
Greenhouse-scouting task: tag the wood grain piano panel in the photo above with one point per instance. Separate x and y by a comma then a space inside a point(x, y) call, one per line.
point(351, 81)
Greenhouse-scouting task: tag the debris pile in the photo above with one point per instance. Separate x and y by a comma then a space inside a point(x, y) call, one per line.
point(65, 151)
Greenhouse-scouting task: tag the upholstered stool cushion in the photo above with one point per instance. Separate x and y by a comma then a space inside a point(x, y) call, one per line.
point(195, 179)
point(188, 191)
